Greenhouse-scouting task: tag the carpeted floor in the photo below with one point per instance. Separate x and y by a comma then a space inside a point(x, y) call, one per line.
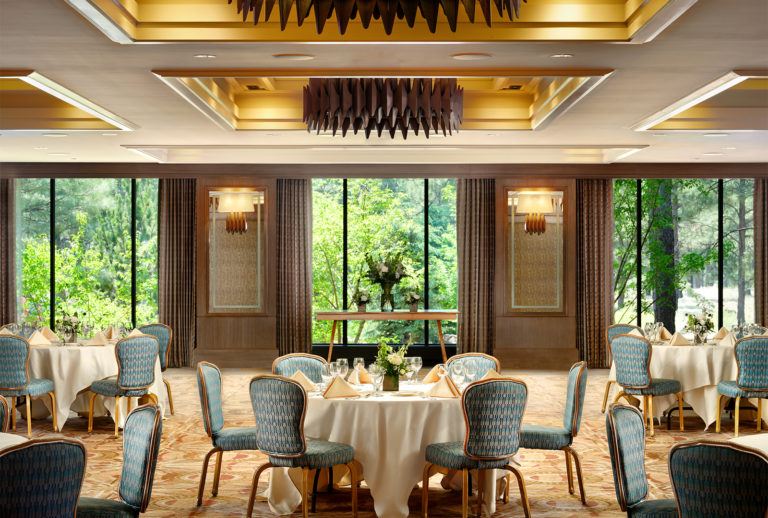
point(184, 444)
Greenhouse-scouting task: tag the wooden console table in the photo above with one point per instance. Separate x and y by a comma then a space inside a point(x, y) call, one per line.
point(438, 315)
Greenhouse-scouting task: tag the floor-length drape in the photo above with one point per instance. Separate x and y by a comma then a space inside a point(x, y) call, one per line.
point(761, 250)
point(7, 238)
point(177, 266)
point(475, 226)
point(294, 265)
point(594, 269)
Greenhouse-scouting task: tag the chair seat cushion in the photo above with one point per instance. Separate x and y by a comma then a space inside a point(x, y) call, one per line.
point(236, 439)
point(36, 387)
point(451, 455)
point(108, 387)
point(103, 508)
point(658, 387)
point(536, 437)
point(663, 508)
point(319, 454)
point(731, 389)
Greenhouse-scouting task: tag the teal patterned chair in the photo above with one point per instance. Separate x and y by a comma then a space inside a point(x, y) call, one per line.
point(5, 415)
point(625, 430)
point(136, 356)
point(752, 380)
point(22, 330)
point(279, 405)
point(610, 333)
point(485, 362)
point(41, 478)
point(15, 381)
point(536, 437)
point(310, 365)
point(164, 335)
point(141, 443)
point(233, 439)
point(493, 410)
point(632, 357)
point(716, 479)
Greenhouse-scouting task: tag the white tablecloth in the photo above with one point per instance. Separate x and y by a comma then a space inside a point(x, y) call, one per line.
point(758, 441)
point(9, 439)
point(72, 369)
point(698, 368)
point(390, 435)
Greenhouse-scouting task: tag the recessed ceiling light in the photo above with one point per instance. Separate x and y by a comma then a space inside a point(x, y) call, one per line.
point(713, 153)
point(58, 154)
point(729, 148)
point(205, 56)
point(39, 148)
point(273, 134)
point(471, 56)
point(561, 56)
point(491, 134)
point(54, 135)
point(109, 134)
point(294, 57)
point(659, 135)
point(716, 135)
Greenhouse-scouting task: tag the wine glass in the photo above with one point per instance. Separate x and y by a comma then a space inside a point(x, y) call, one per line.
point(457, 372)
point(416, 366)
point(358, 364)
point(343, 367)
point(325, 375)
point(470, 369)
point(441, 370)
point(649, 328)
point(408, 369)
point(333, 369)
point(377, 377)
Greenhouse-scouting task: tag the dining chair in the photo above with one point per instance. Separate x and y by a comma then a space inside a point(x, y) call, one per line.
point(625, 431)
point(311, 365)
point(16, 382)
point(610, 332)
point(719, 479)
point(136, 356)
point(164, 334)
point(5, 415)
point(41, 477)
point(632, 357)
point(485, 362)
point(751, 381)
point(141, 444)
point(493, 410)
point(537, 437)
point(22, 330)
point(233, 439)
point(279, 405)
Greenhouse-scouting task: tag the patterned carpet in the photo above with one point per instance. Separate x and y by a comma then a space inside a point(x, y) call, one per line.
point(184, 444)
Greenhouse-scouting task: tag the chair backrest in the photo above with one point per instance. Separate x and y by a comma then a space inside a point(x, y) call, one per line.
point(574, 400)
point(620, 329)
point(719, 478)
point(141, 444)
point(311, 365)
point(22, 330)
point(485, 362)
point(632, 357)
point(136, 357)
point(164, 334)
point(5, 415)
point(209, 386)
point(752, 360)
point(279, 405)
point(625, 431)
point(493, 411)
point(14, 362)
point(42, 477)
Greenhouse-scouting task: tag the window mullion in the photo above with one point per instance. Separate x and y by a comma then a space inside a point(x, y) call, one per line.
point(720, 252)
point(345, 261)
point(52, 252)
point(426, 258)
point(639, 256)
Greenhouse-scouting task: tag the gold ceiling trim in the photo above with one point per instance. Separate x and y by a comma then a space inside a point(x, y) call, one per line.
point(146, 21)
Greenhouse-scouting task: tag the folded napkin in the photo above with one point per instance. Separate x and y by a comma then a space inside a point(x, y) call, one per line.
point(134, 333)
point(359, 376)
point(304, 381)
point(339, 388)
point(720, 334)
point(432, 376)
point(111, 333)
point(491, 374)
point(636, 332)
point(98, 339)
point(728, 339)
point(765, 334)
point(678, 339)
point(37, 338)
point(4, 331)
point(664, 334)
point(445, 388)
point(49, 334)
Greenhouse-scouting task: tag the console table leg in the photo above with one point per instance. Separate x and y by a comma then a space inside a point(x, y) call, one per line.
point(333, 333)
point(442, 343)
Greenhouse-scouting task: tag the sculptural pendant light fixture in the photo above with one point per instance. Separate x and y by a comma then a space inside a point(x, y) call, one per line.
point(383, 105)
point(384, 10)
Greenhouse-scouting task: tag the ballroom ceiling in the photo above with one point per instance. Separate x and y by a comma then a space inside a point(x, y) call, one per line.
point(699, 50)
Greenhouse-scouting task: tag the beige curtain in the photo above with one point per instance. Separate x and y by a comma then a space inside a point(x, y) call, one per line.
point(294, 266)
point(594, 269)
point(7, 255)
point(761, 250)
point(475, 226)
point(177, 264)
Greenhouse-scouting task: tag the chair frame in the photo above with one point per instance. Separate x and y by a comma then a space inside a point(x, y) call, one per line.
point(293, 355)
point(152, 397)
point(465, 472)
point(621, 496)
point(738, 398)
point(304, 471)
point(208, 430)
point(152, 464)
point(28, 398)
point(167, 355)
point(610, 360)
point(473, 354)
point(6, 415)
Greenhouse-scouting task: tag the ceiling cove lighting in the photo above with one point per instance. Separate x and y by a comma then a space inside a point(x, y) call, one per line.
point(384, 10)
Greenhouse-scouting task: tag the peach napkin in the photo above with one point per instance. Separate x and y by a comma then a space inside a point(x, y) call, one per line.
point(432, 376)
point(445, 388)
point(678, 339)
point(134, 333)
point(491, 374)
point(111, 333)
point(339, 388)
point(359, 376)
point(728, 339)
point(4, 331)
point(98, 339)
point(49, 334)
point(304, 381)
point(664, 334)
point(636, 332)
point(720, 334)
point(37, 338)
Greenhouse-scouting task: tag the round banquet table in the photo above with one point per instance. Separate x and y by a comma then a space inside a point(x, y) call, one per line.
point(698, 368)
point(8, 439)
point(73, 368)
point(390, 435)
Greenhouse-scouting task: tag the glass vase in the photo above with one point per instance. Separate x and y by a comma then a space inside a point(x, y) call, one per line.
point(391, 383)
point(387, 298)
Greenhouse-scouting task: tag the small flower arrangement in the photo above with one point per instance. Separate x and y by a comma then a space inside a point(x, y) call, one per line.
point(388, 271)
point(392, 362)
point(361, 297)
point(700, 325)
point(412, 297)
point(70, 324)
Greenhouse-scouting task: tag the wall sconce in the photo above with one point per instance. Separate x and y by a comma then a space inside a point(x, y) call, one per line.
point(535, 205)
point(236, 205)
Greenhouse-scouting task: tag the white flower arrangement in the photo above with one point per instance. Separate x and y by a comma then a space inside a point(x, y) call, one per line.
point(412, 298)
point(392, 361)
point(361, 297)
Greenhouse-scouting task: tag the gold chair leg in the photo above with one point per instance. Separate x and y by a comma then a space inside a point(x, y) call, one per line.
point(620, 395)
point(13, 413)
point(201, 486)
point(425, 489)
point(53, 411)
point(736, 421)
point(717, 414)
point(130, 404)
point(607, 392)
point(579, 476)
point(650, 414)
point(353, 474)
point(117, 417)
point(29, 416)
point(759, 414)
point(464, 493)
point(254, 485)
point(568, 470)
point(480, 489)
point(523, 492)
point(304, 487)
point(680, 410)
point(90, 414)
point(506, 489)
point(170, 397)
point(645, 412)
point(217, 474)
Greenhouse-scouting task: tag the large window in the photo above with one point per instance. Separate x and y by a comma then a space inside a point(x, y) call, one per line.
point(100, 236)
point(355, 217)
point(694, 241)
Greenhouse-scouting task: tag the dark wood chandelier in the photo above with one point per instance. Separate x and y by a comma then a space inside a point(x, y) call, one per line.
point(384, 10)
point(383, 105)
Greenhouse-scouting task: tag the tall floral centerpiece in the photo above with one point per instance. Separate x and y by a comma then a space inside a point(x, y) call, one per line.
point(70, 326)
point(700, 325)
point(392, 362)
point(386, 273)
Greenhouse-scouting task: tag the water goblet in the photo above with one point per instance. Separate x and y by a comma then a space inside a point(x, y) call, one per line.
point(343, 367)
point(325, 375)
point(649, 329)
point(441, 370)
point(457, 372)
point(333, 369)
point(470, 369)
point(408, 369)
point(416, 365)
point(377, 377)
point(358, 364)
